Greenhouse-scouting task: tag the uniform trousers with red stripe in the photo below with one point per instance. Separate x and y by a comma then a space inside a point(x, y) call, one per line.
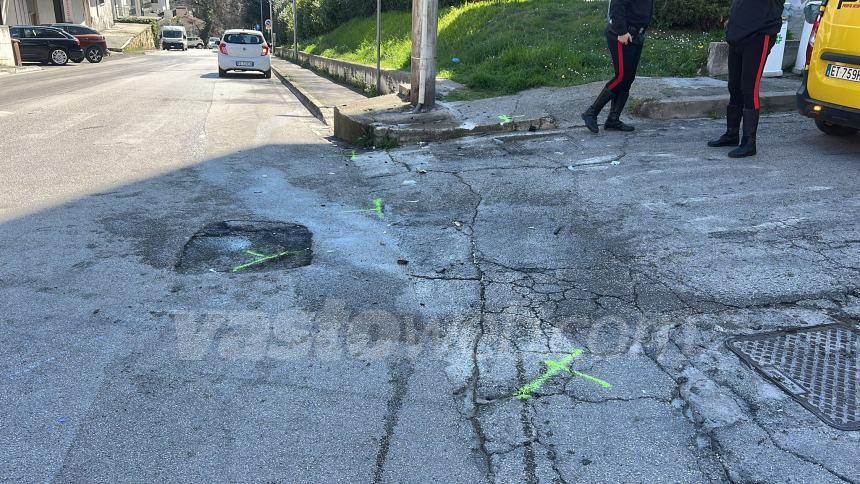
point(625, 59)
point(746, 66)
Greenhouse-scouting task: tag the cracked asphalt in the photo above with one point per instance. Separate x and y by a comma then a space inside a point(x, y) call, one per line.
point(394, 355)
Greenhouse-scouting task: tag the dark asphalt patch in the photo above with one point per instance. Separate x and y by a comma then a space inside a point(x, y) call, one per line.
point(247, 246)
point(819, 366)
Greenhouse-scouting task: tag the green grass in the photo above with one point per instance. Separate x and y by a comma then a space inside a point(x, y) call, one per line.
point(506, 46)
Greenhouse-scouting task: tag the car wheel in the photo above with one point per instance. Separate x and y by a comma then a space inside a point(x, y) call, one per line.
point(94, 55)
point(59, 57)
point(835, 129)
point(268, 74)
point(221, 72)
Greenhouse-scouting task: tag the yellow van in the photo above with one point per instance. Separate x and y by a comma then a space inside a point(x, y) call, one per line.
point(830, 93)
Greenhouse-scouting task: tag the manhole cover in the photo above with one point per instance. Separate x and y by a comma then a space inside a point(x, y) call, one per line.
point(247, 246)
point(818, 366)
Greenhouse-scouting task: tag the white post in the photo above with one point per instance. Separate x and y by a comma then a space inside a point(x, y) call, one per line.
point(773, 66)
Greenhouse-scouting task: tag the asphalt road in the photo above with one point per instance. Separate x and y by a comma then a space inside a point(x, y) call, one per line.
point(394, 355)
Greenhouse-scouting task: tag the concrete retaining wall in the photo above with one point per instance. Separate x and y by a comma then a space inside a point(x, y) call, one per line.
point(718, 57)
point(128, 37)
point(7, 55)
point(359, 75)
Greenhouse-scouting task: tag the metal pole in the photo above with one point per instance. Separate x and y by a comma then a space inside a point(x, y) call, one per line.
point(271, 32)
point(378, 46)
point(261, 18)
point(295, 34)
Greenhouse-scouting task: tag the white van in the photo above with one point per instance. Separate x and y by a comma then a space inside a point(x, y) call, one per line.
point(174, 37)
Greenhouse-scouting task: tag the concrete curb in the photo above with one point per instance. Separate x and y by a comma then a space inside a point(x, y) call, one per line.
point(388, 135)
point(708, 106)
point(318, 109)
point(11, 70)
point(387, 121)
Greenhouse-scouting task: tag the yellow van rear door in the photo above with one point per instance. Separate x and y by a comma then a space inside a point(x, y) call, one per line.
point(834, 73)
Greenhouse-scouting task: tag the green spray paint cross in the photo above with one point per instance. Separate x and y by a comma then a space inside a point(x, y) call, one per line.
point(354, 156)
point(261, 258)
point(553, 368)
point(378, 206)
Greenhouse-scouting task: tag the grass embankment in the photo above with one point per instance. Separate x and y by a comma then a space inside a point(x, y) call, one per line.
point(506, 46)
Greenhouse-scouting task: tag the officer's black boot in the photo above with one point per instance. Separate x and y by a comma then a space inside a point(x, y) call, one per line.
point(613, 122)
point(734, 114)
point(747, 147)
point(590, 115)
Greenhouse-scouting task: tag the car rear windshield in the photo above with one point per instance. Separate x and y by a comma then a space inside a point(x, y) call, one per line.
point(172, 34)
point(243, 39)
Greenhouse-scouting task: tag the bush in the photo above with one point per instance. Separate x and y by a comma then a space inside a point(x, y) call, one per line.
point(700, 15)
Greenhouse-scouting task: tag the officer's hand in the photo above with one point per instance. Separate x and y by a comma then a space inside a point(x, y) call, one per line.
point(625, 39)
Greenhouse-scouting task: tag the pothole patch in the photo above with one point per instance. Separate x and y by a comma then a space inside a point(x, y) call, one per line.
point(236, 246)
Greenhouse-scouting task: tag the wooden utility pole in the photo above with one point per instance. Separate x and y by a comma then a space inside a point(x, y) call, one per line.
point(425, 26)
point(378, 46)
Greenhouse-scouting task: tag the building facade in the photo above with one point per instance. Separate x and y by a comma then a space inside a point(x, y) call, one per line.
point(98, 14)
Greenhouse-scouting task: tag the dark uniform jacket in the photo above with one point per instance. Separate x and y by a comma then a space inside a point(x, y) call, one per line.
point(630, 16)
point(751, 17)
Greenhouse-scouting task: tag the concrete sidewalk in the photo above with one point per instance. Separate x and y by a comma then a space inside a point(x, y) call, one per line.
point(388, 120)
point(319, 94)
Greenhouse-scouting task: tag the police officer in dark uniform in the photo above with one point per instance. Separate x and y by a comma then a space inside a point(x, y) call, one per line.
point(625, 35)
point(751, 34)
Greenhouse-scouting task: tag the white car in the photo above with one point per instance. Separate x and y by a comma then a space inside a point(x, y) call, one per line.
point(244, 50)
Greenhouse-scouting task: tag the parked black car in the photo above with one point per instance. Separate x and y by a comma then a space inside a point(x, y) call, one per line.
point(47, 44)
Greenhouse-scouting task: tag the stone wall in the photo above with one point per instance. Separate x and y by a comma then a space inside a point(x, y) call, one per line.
point(359, 75)
point(126, 36)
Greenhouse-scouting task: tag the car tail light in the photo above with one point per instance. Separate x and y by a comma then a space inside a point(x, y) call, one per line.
point(265, 49)
point(812, 37)
point(223, 48)
point(77, 41)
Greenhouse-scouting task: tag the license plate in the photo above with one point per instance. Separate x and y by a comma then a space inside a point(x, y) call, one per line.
point(842, 72)
point(244, 64)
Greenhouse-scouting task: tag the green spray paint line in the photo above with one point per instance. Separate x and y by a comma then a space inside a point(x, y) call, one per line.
point(261, 258)
point(378, 206)
point(594, 379)
point(553, 368)
point(354, 156)
point(257, 254)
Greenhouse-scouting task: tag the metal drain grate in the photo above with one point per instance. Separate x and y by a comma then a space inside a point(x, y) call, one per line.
point(819, 366)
